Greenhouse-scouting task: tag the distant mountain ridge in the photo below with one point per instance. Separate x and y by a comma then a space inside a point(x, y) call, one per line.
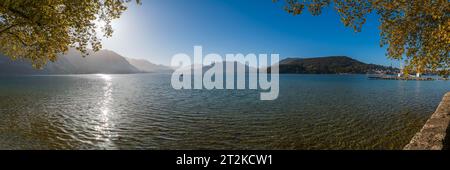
point(146, 66)
point(330, 65)
point(109, 62)
point(227, 67)
point(103, 61)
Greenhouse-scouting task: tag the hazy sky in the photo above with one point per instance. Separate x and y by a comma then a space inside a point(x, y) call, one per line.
point(158, 29)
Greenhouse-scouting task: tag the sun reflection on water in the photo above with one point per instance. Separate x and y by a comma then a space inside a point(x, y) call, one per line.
point(105, 77)
point(105, 124)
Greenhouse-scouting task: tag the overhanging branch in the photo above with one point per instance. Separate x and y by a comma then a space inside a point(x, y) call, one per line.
point(7, 28)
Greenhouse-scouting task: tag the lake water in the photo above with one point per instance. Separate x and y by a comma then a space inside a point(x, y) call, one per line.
point(144, 112)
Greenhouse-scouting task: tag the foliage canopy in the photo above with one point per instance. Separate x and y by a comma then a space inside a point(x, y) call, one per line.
point(38, 30)
point(416, 31)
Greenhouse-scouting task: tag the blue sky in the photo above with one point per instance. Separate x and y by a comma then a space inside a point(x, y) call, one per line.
point(158, 29)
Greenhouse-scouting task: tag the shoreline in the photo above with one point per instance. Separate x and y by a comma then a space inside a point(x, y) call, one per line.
point(434, 134)
point(427, 78)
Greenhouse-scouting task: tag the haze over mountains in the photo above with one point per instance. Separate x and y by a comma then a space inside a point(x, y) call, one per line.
point(227, 67)
point(148, 67)
point(103, 61)
point(109, 62)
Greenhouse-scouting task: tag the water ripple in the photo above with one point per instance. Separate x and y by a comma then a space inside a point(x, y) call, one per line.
point(144, 112)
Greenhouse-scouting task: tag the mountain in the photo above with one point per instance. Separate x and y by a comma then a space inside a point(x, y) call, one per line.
point(148, 67)
point(235, 64)
point(103, 61)
point(330, 65)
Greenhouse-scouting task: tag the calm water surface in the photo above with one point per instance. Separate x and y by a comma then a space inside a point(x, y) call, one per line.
point(144, 112)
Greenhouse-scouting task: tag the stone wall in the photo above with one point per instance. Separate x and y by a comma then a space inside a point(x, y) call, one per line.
point(433, 135)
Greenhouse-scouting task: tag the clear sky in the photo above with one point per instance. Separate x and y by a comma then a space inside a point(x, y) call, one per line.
point(158, 29)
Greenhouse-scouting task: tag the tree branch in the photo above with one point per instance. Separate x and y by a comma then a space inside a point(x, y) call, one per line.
point(7, 28)
point(19, 39)
point(23, 15)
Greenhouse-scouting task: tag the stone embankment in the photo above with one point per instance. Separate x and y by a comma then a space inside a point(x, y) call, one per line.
point(434, 134)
